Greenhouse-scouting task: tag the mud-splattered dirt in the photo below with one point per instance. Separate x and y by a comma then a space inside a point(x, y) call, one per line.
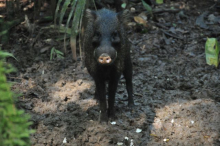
point(176, 93)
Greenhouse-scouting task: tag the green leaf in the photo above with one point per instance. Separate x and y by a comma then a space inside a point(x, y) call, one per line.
point(61, 29)
point(63, 10)
point(14, 125)
point(159, 1)
point(56, 12)
point(56, 53)
point(212, 51)
point(174, 24)
point(51, 53)
point(6, 54)
point(73, 4)
point(123, 5)
point(147, 7)
point(6, 27)
point(75, 25)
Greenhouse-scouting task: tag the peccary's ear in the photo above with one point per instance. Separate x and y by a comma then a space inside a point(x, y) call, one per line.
point(91, 15)
point(123, 16)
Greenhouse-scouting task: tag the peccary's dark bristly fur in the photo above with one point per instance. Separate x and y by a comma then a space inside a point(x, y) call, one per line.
point(108, 21)
point(105, 34)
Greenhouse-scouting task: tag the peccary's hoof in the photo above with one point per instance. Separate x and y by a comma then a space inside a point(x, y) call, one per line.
point(104, 59)
point(111, 114)
point(103, 117)
point(131, 104)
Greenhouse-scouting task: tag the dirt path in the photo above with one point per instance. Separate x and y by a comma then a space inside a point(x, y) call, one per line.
point(176, 94)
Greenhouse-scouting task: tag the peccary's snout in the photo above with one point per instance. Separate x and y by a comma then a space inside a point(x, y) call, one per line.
point(104, 59)
point(105, 55)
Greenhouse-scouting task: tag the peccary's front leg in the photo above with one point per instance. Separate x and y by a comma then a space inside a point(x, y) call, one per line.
point(128, 77)
point(113, 84)
point(100, 93)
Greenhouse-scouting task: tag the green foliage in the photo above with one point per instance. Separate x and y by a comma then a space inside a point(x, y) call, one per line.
point(56, 53)
point(76, 25)
point(6, 27)
point(123, 5)
point(77, 9)
point(6, 54)
point(13, 123)
point(159, 1)
point(212, 51)
point(147, 7)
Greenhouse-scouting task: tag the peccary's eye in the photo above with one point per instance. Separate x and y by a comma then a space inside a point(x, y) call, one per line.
point(114, 34)
point(115, 37)
point(97, 34)
point(96, 38)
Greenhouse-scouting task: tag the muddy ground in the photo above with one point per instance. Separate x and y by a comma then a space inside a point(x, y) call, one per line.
point(176, 93)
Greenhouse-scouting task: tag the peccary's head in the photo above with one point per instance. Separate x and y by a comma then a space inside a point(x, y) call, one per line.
point(106, 35)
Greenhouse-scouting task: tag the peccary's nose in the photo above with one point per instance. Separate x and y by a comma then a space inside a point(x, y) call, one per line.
point(104, 59)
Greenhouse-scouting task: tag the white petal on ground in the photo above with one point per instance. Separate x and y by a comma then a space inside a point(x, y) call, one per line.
point(132, 143)
point(113, 123)
point(138, 130)
point(119, 143)
point(64, 141)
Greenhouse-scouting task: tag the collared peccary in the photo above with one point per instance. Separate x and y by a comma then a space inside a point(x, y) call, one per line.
point(107, 56)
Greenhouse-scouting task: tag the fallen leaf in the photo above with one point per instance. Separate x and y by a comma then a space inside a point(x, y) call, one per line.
point(140, 20)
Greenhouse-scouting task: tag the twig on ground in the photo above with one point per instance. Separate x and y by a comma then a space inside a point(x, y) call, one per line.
point(157, 11)
point(161, 26)
point(171, 35)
